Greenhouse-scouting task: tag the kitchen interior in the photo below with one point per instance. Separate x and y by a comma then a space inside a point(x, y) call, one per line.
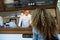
point(10, 10)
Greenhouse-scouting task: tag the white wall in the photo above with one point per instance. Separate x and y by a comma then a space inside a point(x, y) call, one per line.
point(13, 37)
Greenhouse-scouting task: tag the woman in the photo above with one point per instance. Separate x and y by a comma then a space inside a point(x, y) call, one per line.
point(44, 27)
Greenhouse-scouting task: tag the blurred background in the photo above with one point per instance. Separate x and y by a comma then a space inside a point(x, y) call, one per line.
point(9, 4)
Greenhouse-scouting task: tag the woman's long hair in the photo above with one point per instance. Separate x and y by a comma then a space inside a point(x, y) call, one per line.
point(44, 22)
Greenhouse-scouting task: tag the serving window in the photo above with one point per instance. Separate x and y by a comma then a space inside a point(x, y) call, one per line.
point(11, 22)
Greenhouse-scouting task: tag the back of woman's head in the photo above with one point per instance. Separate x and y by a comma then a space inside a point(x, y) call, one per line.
point(44, 22)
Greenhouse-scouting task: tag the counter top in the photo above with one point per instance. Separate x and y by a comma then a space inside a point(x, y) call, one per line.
point(15, 30)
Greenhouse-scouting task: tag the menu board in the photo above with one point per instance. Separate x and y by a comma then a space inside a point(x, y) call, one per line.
point(29, 3)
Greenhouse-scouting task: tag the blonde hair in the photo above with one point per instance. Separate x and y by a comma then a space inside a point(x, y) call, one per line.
point(44, 22)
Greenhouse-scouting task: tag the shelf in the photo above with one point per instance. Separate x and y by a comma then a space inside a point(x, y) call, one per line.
point(31, 8)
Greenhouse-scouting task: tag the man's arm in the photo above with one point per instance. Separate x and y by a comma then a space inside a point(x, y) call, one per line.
point(20, 20)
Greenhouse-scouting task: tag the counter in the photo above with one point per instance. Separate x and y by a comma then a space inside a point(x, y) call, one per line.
point(15, 30)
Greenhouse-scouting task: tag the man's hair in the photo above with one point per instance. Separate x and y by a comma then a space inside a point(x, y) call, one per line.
point(12, 19)
point(26, 10)
point(44, 22)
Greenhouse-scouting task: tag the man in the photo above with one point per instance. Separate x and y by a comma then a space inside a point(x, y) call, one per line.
point(12, 23)
point(25, 20)
point(1, 22)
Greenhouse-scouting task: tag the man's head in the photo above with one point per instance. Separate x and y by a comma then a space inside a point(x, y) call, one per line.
point(26, 12)
point(12, 20)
